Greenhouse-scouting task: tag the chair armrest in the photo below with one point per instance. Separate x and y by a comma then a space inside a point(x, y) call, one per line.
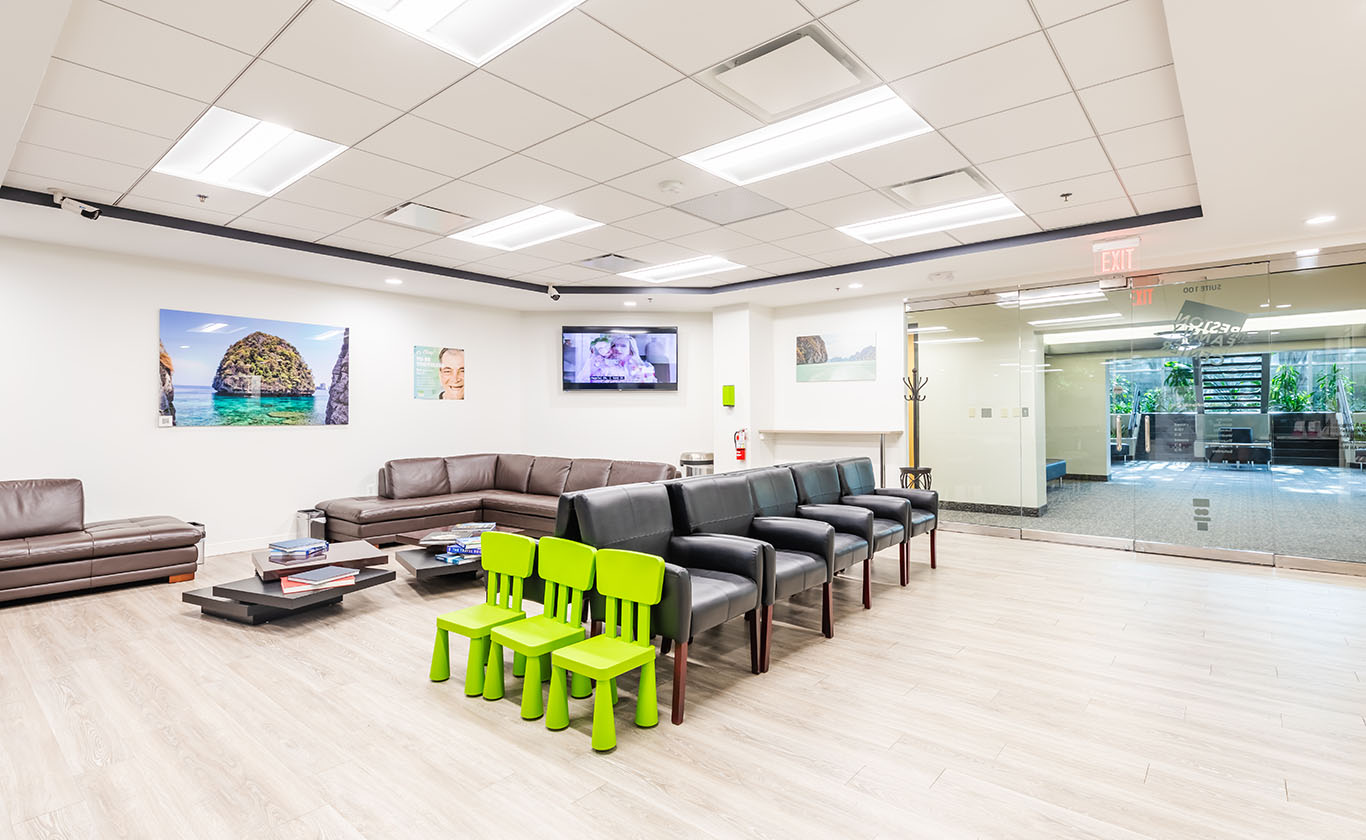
point(919, 499)
point(792, 534)
point(726, 553)
point(846, 519)
point(884, 507)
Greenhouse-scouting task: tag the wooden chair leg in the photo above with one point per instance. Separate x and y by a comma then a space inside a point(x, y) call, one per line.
point(827, 611)
point(766, 633)
point(905, 572)
point(755, 642)
point(868, 584)
point(680, 681)
point(932, 533)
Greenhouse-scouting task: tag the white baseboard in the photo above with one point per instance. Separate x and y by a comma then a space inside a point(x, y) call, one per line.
point(213, 549)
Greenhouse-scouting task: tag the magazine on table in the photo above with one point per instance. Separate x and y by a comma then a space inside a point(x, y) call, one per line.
point(458, 559)
point(290, 587)
point(300, 546)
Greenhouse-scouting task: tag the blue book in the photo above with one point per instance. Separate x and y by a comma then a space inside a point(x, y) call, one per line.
point(299, 546)
point(457, 558)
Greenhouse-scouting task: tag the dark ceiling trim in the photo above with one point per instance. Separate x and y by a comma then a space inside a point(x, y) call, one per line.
point(128, 214)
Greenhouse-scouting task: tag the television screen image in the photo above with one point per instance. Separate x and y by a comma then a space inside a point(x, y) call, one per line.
point(620, 358)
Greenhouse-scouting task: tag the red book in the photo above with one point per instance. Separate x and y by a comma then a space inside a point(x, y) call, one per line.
point(289, 587)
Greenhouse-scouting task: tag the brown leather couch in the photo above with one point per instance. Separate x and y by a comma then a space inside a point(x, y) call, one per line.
point(47, 547)
point(521, 491)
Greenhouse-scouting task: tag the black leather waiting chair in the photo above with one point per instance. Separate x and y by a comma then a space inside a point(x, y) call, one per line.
point(818, 483)
point(858, 482)
point(708, 580)
point(798, 554)
point(775, 495)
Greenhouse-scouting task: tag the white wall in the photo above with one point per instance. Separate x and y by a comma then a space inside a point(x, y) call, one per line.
point(78, 335)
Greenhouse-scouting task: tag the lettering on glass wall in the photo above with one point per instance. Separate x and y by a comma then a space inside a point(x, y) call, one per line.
point(1200, 328)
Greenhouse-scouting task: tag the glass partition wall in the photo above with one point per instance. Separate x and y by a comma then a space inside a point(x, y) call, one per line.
point(1222, 419)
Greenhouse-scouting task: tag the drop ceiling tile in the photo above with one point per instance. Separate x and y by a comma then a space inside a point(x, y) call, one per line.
point(528, 178)
point(568, 274)
point(691, 182)
point(42, 161)
point(1021, 71)
point(378, 174)
point(791, 265)
point(900, 37)
point(245, 25)
point(100, 140)
point(1145, 143)
point(681, 118)
point(113, 40)
point(778, 225)
point(281, 212)
point(173, 190)
point(759, 254)
point(1053, 12)
point(905, 160)
point(1040, 125)
point(918, 244)
point(808, 186)
point(485, 106)
point(687, 35)
point(1172, 199)
point(1121, 40)
point(823, 241)
point(352, 244)
point(823, 7)
point(326, 40)
point(727, 278)
point(660, 253)
point(179, 211)
point(859, 207)
point(1101, 211)
point(473, 201)
point(452, 251)
point(400, 238)
point(275, 229)
point(1056, 163)
point(856, 253)
point(665, 223)
point(99, 96)
point(581, 64)
point(270, 92)
point(595, 151)
point(506, 264)
point(43, 183)
point(1158, 175)
point(602, 203)
point(560, 251)
point(414, 140)
point(330, 195)
point(1085, 190)
point(609, 239)
point(995, 230)
point(717, 241)
point(1134, 100)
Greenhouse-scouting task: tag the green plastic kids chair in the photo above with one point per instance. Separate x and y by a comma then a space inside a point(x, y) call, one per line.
point(507, 561)
point(567, 569)
point(632, 583)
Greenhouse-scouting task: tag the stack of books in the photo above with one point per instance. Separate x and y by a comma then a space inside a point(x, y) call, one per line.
point(327, 577)
point(287, 552)
point(457, 532)
point(463, 550)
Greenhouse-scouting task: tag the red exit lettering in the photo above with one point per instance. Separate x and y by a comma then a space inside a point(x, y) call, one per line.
point(1115, 262)
point(1142, 297)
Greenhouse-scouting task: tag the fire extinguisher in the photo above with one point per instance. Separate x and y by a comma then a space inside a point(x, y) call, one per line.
point(741, 443)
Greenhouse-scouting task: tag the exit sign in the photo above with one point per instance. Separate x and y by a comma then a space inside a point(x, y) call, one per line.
point(1116, 256)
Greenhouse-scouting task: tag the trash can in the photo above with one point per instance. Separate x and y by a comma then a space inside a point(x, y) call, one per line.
point(310, 523)
point(697, 463)
point(199, 546)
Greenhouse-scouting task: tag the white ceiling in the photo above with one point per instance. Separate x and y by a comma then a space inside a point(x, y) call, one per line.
point(1119, 104)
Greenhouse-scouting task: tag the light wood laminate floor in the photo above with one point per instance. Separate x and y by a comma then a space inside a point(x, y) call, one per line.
point(1021, 690)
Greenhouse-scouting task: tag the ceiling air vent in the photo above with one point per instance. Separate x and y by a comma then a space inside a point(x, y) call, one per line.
point(943, 189)
point(728, 206)
point(612, 263)
point(422, 217)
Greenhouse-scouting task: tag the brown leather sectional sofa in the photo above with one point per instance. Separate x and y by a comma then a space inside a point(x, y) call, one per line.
point(47, 547)
point(521, 491)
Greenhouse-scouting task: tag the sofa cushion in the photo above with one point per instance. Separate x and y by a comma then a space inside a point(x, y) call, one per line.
point(13, 553)
point(471, 472)
point(364, 509)
point(58, 548)
point(496, 501)
point(409, 478)
point(585, 473)
point(32, 507)
point(141, 533)
point(548, 476)
point(513, 472)
point(633, 472)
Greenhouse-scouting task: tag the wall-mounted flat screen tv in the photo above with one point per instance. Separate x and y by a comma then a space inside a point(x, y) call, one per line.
point(620, 358)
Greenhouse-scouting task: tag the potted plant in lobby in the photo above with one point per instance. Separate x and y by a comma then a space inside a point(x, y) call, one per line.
point(1285, 391)
point(1325, 396)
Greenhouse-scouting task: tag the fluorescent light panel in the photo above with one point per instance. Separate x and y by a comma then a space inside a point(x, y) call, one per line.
point(1297, 321)
point(228, 149)
point(975, 211)
point(1076, 319)
point(473, 30)
point(949, 340)
point(919, 330)
point(522, 230)
point(864, 121)
point(683, 269)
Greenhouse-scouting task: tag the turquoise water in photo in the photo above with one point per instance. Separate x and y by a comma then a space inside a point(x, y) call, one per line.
point(198, 405)
point(837, 371)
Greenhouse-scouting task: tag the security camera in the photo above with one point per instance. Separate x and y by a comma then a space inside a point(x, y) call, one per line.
point(553, 292)
point(71, 205)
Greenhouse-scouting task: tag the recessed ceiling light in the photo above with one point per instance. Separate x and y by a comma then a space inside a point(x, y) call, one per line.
point(1076, 319)
point(1307, 252)
point(864, 121)
point(1320, 220)
point(228, 149)
point(918, 330)
point(628, 303)
point(473, 30)
point(682, 269)
point(1282, 306)
point(947, 217)
point(393, 281)
point(1264, 305)
point(856, 285)
point(529, 227)
point(949, 340)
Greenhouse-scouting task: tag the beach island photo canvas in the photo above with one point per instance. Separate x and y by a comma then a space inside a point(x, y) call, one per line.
point(224, 370)
point(838, 357)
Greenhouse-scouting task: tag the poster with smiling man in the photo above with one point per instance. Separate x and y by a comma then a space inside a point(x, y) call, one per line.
point(438, 373)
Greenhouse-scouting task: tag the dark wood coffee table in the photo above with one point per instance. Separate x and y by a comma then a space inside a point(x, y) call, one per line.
point(356, 554)
point(422, 563)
